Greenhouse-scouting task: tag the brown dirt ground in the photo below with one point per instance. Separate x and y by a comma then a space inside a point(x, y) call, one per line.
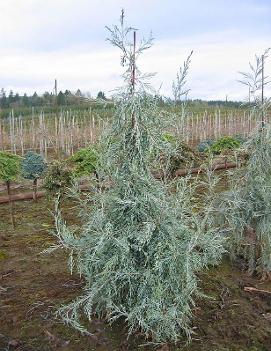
point(34, 285)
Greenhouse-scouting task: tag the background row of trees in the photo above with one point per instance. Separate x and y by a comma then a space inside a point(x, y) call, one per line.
point(67, 98)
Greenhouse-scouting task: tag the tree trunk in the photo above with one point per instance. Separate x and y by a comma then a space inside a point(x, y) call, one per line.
point(10, 204)
point(35, 183)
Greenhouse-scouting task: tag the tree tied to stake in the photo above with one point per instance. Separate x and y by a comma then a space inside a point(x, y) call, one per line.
point(143, 242)
point(33, 167)
point(9, 172)
point(244, 211)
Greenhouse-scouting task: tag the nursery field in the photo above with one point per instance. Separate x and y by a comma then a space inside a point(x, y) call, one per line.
point(236, 314)
point(148, 225)
point(63, 132)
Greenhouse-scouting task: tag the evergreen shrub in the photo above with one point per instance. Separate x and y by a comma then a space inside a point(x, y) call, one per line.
point(143, 242)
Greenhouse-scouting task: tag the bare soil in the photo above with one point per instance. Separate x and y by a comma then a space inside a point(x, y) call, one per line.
point(33, 285)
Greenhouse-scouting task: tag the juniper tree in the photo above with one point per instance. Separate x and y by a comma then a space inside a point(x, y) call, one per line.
point(33, 167)
point(142, 243)
point(245, 209)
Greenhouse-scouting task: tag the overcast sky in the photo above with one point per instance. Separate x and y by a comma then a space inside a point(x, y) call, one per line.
point(65, 39)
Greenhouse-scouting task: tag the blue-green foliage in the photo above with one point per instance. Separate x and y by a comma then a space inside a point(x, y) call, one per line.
point(205, 145)
point(142, 244)
point(33, 166)
point(245, 209)
point(240, 138)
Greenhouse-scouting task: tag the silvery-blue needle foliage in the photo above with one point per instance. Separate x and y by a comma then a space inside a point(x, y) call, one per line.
point(246, 207)
point(180, 93)
point(142, 243)
point(246, 210)
point(256, 81)
point(178, 86)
